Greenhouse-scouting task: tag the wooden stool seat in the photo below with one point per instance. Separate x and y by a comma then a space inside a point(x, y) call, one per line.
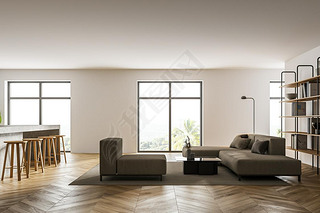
point(32, 139)
point(59, 138)
point(15, 142)
point(46, 137)
point(50, 142)
point(37, 154)
point(12, 143)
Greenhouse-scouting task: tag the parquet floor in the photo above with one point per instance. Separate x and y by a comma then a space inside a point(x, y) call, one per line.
point(50, 192)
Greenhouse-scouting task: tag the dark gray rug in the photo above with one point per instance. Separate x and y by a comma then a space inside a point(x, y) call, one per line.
point(175, 176)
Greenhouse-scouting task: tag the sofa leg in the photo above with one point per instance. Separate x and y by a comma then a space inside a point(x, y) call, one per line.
point(239, 178)
point(160, 177)
point(100, 177)
point(299, 178)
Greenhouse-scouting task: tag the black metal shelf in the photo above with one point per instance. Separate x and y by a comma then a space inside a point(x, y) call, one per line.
point(315, 110)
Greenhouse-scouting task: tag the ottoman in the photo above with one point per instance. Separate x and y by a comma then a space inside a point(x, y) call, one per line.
point(144, 165)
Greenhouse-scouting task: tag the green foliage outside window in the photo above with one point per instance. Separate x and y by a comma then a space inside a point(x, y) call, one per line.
point(190, 128)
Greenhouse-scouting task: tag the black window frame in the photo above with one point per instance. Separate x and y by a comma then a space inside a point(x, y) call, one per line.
point(170, 98)
point(275, 97)
point(40, 98)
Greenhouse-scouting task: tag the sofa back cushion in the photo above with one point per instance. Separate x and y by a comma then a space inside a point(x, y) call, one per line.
point(252, 137)
point(276, 145)
point(110, 152)
point(240, 142)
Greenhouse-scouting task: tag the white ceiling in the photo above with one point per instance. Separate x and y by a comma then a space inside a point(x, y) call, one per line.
point(155, 33)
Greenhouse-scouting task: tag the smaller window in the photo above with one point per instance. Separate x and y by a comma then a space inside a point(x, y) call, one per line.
point(275, 108)
point(24, 90)
point(55, 90)
point(154, 90)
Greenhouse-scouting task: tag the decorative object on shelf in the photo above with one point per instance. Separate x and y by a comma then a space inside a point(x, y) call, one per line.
point(298, 108)
point(315, 126)
point(253, 112)
point(291, 96)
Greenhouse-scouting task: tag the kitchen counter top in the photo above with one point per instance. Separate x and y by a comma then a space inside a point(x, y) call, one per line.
point(8, 129)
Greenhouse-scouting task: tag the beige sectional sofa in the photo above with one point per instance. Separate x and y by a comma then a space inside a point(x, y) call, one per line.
point(245, 163)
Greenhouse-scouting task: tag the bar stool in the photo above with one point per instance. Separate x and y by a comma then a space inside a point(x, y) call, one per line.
point(51, 145)
point(19, 169)
point(37, 154)
point(59, 138)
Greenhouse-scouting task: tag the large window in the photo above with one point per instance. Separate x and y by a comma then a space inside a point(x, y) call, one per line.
point(40, 103)
point(275, 108)
point(168, 112)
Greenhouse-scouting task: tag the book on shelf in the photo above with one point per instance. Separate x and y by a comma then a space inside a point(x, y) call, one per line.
point(303, 91)
point(312, 87)
point(300, 142)
point(298, 108)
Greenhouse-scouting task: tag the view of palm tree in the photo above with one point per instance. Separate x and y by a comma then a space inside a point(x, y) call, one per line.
point(191, 129)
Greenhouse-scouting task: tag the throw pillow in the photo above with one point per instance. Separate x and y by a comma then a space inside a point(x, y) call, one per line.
point(244, 136)
point(260, 147)
point(240, 143)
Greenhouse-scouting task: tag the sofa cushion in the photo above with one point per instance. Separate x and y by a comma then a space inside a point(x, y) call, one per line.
point(142, 165)
point(205, 151)
point(252, 137)
point(243, 162)
point(260, 147)
point(240, 143)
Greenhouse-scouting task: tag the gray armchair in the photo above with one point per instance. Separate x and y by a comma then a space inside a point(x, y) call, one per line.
point(113, 163)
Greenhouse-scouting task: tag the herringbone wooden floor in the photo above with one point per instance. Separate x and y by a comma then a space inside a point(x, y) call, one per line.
point(50, 192)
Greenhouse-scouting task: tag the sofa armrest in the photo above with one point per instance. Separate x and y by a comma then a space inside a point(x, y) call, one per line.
point(110, 152)
point(277, 146)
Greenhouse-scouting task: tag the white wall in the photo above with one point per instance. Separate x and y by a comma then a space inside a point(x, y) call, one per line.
point(309, 58)
point(100, 98)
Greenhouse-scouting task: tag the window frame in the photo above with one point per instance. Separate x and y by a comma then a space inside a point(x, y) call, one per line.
point(169, 98)
point(40, 98)
point(274, 98)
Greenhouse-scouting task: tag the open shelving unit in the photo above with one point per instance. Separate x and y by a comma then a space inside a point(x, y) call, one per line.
point(307, 151)
point(298, 83)
point(315, 115)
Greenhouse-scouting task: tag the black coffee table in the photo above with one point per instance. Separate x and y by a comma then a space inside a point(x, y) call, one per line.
point(201, 166)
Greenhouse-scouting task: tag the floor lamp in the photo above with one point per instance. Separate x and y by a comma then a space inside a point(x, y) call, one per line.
point(253, 112)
